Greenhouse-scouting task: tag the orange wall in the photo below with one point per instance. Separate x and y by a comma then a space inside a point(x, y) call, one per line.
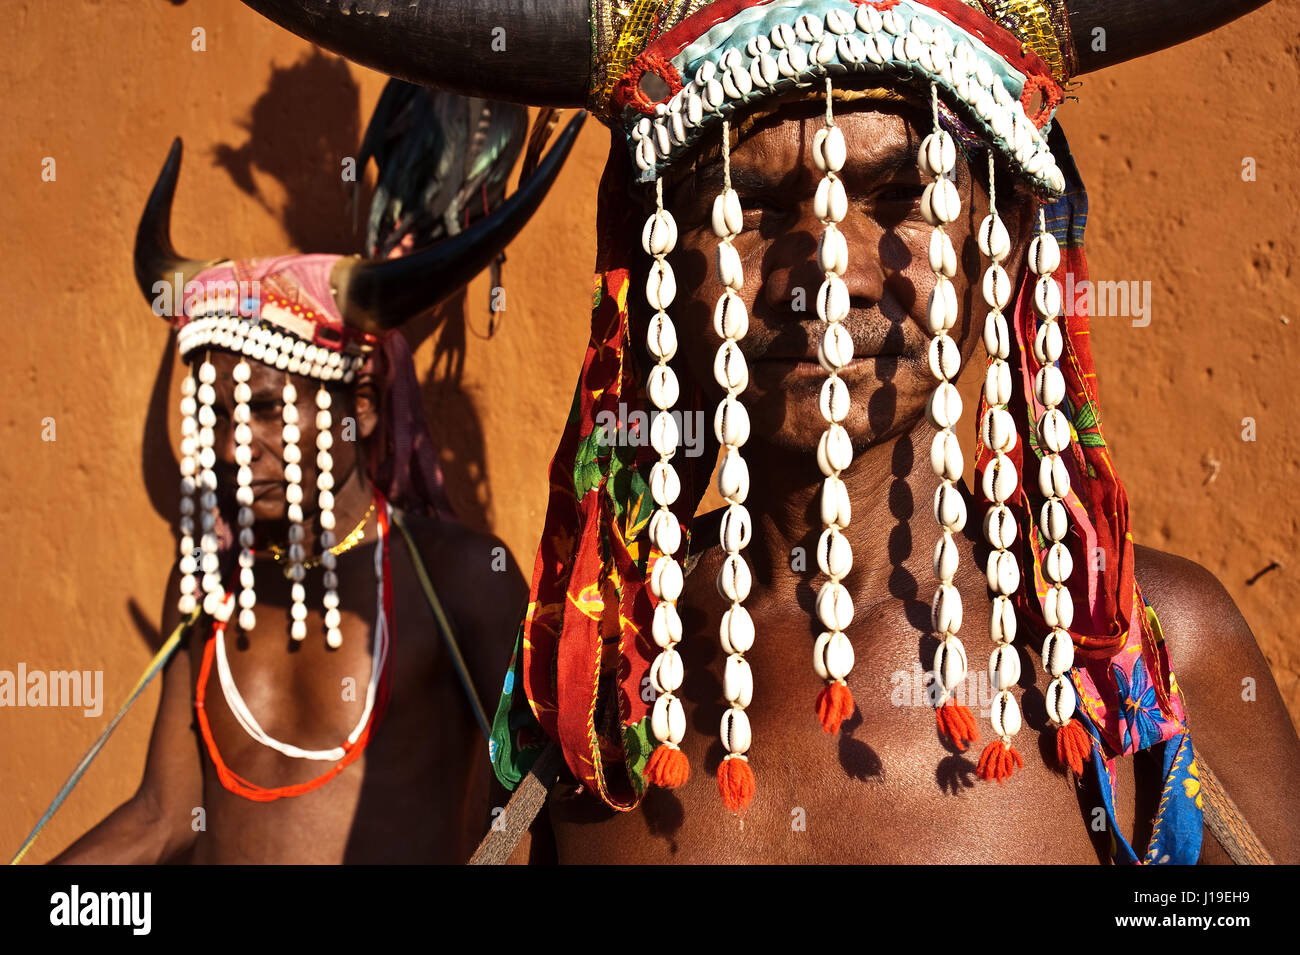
point(267, 121)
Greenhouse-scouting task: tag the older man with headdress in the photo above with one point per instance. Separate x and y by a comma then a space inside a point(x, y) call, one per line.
point(812, 214)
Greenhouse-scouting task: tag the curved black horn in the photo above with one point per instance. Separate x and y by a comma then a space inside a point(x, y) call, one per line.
point(521, 51)
point(156, 259)
point(1133, 29)
point(376, 295)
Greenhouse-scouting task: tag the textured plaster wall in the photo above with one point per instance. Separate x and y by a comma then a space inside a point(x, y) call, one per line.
point(102, 88)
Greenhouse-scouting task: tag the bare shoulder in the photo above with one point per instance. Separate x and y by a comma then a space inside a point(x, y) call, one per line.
point(1238, 721)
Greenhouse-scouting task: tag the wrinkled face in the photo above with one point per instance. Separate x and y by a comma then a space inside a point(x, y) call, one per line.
point(888, 278)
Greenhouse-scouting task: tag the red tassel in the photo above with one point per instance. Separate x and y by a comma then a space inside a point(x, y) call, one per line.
point(736, 783)
point(834, 706)
point(956, 723)
point(998, 761)
point(1072, 746)
point(668, 767)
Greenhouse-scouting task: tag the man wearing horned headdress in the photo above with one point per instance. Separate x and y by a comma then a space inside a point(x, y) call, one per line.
point(814, 216)
point(324, 705)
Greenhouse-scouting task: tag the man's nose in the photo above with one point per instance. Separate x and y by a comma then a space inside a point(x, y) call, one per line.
point(794, 273)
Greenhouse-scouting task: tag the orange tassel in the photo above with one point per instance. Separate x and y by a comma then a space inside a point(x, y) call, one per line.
point(668, 767)
point(1072, 746)
point(956, 723)
point(736, 783)
point(834, 706)
point(998, 761)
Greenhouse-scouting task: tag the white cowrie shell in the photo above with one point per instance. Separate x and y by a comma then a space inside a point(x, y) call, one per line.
point(996, 287)
point(1005, 715)
point(737, 84)
point(946, 558)
point(893, 23)
point(1058, 652)
point(1038, 161)
point(666, 626)
point(940, 202)
point(871, 48)
point(668, 719)
point(736, 528)
point(833, 656)
point(792, 62)
point(661, 338)
point(833, 401)
point(694, 106)
point(949, 507)
point(869, 20)
point(1054, 520)
point(733, 477)
point(736, 630)
point(943, 258)
point(946, 458)
point(764, 71)
point(1002, 620)
point(830, 202)
point(884, 48)
point(782, 36)
point(729, 368)
point(665, 531)
point(1002, 573)
point(834, 450)
point(1058, 607)
point(833, 251)
point(1048, 343)
point(950, 665)
point(851, 49)
point(833, 300)
point(945, 609)
point(666, 579)
point(707, 71)
point(757, 45)
point(829, 150)
point(823, 51)
point(1049, 386)
point(714, 95)
point(663, 142)
point(997, 339)
point(660, 286)
point(735, 731)
point(922, 30)
point(836, 348)
point(662, 387)
point(912, 47)
point(737, 681)
point(836, 510)
point(1047, 297)
point(945, 358)
point(834, 606)
point(1053, 477)
point(728, 60)
point(999, 527)
point(834, 554)
point(730, 317)
point(664, 433)
point(1061, 701)
point(1054, 430)
point(1000, 480)
point(659, 236)
point(938, 154)
point(665, 485)
point(677, 127)
point(997, 383)
point(666, 671)
point(645, 156)
point(808, 28)
point(1004, 667)
point(1058, 563)
point(730, 271)
point(731, 423)
point(941, 312)
point(983, 72)
point(839, 21)
point(728, 217)
point(994, 240)
point(944, 407)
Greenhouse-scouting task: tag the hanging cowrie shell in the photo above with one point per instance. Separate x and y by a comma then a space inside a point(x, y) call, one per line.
point(949, 507)
point(830, 202)
point(945, 358)
point(851, 49)
point(736, 528)
point(661, 339)
point(1002, 620)
point(941, 313)
point(1048, 343)
point(996, 287)
point(946, 558)
point(736, 630)
point(808, 28)
point(728, 217)
point(764, 71)
point(1005, 715)
point(950, 665)
point(836, 348)
point(1058, 563)
point(819, 655)
point(999, 527)
point(834, 450)
point(946, 458)
point(834, 555)
point(943, 258)
point(1000, 479)
point(1053, 477)
point(1053, 520)
point(1049, 386)
point(839, 21)
point(665, 531)
point(834, 399)
point(834, 606)
point(1058, 653)
point(944, 406)
point(829, 150)
point(662, 387)
point(730, 317)
point(1061, 701)
point(659, 236)
point(938, 154)
point(1002, 572)
point(669, 718)
point(1047, 297)
point(733, 477)
point(833, 656)
point(737, 681)
point(945, 610)
point(731, 423)
point(994, 240)
point(661, 285)
point(783, 36)
point(729, 368)
point(666, 626)
point(666, 579)
point(730, 272)
point(833, 251)
point(665, 485)
point(833, 300)
point(664, 435)
point(1058, 607)
point(997, 339)
point(836, 509)
point(1054, 430)
point(735, 731)
point(940, 203)
point(666, 671)
point(1004, 667)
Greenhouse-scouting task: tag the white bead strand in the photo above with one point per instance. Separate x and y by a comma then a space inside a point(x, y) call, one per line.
point(293, 495)
point(188, 565)
point(244, 496)
point(325, 501)
point(209, 562)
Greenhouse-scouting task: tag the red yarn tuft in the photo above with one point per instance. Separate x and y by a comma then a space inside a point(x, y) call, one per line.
point(998, 761)
point(668, 767)
point(736, 783)
point(1072, 746)
point(834, 706)
point(956, 723)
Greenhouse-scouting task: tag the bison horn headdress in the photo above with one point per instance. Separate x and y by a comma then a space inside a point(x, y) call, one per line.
point(669, 76)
